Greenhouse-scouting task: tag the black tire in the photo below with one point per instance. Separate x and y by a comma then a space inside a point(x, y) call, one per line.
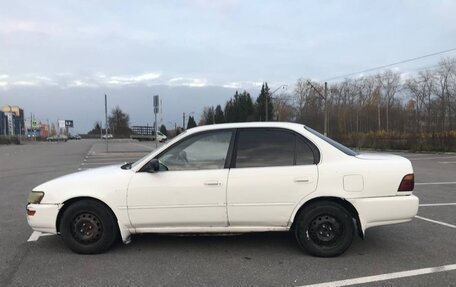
point(324, 229)
point(88, 227)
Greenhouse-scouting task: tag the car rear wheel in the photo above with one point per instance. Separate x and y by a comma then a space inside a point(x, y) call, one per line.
point(88, 227)
point(324, 229)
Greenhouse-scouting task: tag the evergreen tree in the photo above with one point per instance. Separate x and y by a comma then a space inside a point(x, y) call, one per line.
point(163, 130)
point(260, 105)
point(209, 116)
point(191, 122)
point(96, 129)
point(239, 108)
point(219, 117)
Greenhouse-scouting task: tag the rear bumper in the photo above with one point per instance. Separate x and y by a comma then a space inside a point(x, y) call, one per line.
point(45, 217)
point(385, 210)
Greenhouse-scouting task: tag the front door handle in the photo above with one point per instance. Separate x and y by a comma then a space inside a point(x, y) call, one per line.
point(213, 183)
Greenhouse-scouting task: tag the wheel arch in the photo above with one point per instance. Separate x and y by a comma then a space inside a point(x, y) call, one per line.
point(341, 201)
point(73, 200)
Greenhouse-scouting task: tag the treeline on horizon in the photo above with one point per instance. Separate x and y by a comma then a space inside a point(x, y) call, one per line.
point(381, 111)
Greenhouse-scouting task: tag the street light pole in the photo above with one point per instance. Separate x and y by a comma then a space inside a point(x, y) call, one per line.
point(106, 122)
point(266, 100)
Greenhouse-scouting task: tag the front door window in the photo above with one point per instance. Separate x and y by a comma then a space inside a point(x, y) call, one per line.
point(199, 152)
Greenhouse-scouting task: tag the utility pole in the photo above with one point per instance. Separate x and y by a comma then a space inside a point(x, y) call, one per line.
point(326, 109)
point(156, 110)
point(183, 121)
point(325, 98)
point(267, 103)
point(106, 122)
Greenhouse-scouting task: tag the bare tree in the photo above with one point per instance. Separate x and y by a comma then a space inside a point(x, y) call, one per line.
point(389, 82)
point(283, 108)
point(446, 74)
point(301, 93)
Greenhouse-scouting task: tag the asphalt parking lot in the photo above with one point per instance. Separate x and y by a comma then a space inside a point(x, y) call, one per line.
point(418, 253)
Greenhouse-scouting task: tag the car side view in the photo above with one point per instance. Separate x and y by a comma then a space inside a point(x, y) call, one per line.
point(231, 178)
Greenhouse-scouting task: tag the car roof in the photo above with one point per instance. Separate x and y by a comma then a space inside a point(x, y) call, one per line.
point(245, 125)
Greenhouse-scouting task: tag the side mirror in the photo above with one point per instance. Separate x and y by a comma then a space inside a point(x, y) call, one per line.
point(153, 165)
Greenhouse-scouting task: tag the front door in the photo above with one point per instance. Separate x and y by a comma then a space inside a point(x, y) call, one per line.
point(190, 188)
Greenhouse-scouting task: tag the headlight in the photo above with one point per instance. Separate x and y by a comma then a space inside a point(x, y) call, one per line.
point(35, 197)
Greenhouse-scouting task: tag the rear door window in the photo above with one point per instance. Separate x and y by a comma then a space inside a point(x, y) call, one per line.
point(271, 147)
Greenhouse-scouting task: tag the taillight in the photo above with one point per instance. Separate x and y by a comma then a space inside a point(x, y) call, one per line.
point(31, 212)
point(407, 183)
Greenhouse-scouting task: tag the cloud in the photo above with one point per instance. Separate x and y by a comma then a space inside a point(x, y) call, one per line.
point(12, 26)
point(81, 84)
point(25, 83)
point(128, 80)
point(188, 82)
point(99, 79)
point(232, 85)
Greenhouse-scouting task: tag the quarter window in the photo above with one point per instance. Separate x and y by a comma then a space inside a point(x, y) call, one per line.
point(304, 154)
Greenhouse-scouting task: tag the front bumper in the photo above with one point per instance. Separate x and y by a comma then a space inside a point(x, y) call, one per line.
point(378, 211)
point(44, 218)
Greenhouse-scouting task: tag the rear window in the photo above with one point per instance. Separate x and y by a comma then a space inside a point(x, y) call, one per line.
point(335, 144)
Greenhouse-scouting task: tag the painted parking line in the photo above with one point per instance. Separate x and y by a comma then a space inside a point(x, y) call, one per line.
point(430, 158)
point(435, 221)
point(36, 235)
point(386, 276)
point(446, 162)
point(437, 204)
point(436, 183)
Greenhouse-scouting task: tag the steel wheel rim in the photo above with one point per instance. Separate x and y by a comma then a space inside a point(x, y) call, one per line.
point(325, 230)
point(86, 228)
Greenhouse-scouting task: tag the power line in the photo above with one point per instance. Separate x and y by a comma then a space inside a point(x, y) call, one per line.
point(390, 65)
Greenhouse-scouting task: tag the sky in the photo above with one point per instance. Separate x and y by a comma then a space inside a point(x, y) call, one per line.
point(59, 58)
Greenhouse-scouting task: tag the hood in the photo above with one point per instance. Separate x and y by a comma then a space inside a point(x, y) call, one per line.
point(91, 182)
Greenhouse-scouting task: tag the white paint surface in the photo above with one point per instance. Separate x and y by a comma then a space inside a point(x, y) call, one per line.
point(435, 221)
point(437, 204)
point(36, 235)
point(436, 183)
point(386, 276)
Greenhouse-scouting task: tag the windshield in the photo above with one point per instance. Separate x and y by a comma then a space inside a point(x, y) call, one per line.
point(332, 142)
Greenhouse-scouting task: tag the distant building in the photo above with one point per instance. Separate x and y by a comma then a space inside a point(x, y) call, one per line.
point(14, 120)
point(3, 124)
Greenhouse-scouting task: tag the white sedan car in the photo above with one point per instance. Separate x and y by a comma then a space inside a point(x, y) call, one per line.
point(243, 177)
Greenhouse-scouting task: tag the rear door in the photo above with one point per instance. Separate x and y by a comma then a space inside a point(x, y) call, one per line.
point(272, 170)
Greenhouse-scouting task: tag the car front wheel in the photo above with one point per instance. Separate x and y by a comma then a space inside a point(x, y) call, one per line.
point(88, 227)
point(324, 229)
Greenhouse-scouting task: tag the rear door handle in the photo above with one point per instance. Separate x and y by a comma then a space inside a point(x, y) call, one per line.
point(302, 179)
point(213, 183)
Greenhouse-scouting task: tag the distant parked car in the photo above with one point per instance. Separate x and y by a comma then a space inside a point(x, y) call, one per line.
point(57, 138)
point(74, 137)
point(161, 137)
point(232, 178)
point(109, 136)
